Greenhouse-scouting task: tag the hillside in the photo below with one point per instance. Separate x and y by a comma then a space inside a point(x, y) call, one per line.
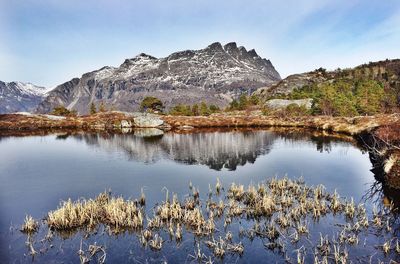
point(366, 89)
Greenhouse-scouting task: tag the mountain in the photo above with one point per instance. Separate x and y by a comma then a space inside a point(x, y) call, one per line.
point(225, 150)
point(215, 75)
point(19, 97)
point(386, 72)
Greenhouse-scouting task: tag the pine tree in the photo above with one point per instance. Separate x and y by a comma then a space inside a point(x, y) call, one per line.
point(102, 108)
point(92, 109)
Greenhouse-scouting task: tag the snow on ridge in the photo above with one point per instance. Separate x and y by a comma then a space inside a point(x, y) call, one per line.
point(104, 72)
point(31, 88)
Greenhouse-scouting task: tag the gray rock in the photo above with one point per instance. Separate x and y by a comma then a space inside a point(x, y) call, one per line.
point(126, 124)
point(147, 121)
point(214, 74)
point(282, 103)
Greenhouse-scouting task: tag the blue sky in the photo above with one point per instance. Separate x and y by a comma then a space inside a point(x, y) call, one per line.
point(48, 42)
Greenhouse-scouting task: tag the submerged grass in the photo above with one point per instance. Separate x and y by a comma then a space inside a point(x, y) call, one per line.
point(280, 208)
point(30, 225)
point(114, 212)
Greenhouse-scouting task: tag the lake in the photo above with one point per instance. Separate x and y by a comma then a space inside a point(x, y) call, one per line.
point(37, 172)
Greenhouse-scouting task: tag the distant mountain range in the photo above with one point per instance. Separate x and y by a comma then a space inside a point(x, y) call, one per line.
point(18, 96)
point(215, 75)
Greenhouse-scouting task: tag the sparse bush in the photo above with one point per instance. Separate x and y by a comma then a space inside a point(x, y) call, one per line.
point(92, 109)
point(102, 108)
point(254, 99)
point(62, 111)
point(214, 108)
point(234, 105)
point(292, 110)
point(181, 110)
point(244, 102)
point(204, 110)
point(194, 110)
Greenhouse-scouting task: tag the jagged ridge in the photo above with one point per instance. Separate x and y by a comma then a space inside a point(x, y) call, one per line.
point(215, 74)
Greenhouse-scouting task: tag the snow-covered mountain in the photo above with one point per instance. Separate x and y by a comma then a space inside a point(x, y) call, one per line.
point(18, 96)
point(215, 74)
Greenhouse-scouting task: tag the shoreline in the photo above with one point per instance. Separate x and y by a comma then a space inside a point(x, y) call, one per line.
point(117, 120)
point(379, 134)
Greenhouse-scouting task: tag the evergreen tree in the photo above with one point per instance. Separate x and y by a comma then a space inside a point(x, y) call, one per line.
point(204, 111)
point(92, 109)
point(152, 104)
point(102, 108)
point(195, 109)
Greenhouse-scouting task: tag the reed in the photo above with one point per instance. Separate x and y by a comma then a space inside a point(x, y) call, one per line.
point(111, 211)
point(279, 208)
point(30, 225)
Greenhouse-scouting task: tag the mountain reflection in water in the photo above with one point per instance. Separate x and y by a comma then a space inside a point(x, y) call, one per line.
point(217, 150)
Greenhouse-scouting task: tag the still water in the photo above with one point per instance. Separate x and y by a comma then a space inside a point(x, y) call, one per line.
point(37, 172)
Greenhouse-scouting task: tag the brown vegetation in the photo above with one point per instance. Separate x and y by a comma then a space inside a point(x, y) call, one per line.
point(107, 120)
point(346, 125)
point(280, 208)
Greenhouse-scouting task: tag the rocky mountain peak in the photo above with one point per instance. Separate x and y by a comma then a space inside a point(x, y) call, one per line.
point(230, 46)
point(142, 57)
point(145, 56)
point(215, 74)
point(252, 53)
point(232, 49)
point(216, 46)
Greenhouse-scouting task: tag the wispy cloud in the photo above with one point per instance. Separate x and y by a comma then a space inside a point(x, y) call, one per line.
point(49, 41)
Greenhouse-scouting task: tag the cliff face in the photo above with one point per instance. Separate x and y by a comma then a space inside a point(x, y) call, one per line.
point(215, 75)
point(19, 97)
point(386, 72)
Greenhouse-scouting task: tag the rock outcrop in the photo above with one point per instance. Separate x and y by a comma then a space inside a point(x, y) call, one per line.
point(147, 121)
point(282, 103)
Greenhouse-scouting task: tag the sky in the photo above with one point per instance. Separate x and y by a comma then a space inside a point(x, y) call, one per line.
point(48, 42)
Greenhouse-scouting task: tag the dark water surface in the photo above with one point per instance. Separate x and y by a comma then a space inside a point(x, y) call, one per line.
point(37, 172)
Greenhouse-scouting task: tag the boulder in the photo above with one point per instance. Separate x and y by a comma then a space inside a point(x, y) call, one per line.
point(147, 120)
point(126, 124)
point(283, 103)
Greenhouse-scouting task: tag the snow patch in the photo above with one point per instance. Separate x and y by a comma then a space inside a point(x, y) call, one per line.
point(29, 88)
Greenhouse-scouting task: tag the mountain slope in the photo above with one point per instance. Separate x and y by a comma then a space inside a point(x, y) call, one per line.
point(215, 74)
point(18, 96)
point(386, 72)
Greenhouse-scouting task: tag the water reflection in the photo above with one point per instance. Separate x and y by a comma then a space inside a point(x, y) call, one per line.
point(217, 150)
point(38, 172)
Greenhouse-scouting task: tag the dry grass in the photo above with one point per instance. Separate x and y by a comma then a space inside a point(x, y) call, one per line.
point(30, 225)
point(281, 210)
point(115, 212)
